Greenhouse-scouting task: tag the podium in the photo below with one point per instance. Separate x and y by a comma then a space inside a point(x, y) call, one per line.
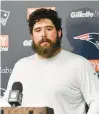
point(26, 110)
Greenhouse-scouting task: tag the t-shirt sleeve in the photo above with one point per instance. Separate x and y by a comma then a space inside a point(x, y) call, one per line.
point(89, 85)
point(14, 77)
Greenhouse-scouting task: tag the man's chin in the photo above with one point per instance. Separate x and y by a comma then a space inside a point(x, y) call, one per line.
point(45, 51)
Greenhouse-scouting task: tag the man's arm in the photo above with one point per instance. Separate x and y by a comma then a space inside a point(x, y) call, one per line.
point(89, 85)
point(13, 78)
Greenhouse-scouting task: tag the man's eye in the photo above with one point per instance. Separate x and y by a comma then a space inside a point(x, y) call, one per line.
point(49, 28)
point(38, 30)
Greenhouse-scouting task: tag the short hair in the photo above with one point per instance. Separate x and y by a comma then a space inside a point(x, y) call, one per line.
point(44, 13)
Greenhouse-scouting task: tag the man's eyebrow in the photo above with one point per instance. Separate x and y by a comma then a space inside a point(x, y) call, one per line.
point(49, 26)
point(36, 28)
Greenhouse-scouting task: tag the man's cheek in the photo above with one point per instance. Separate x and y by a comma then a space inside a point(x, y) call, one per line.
point(53, 37)
point(36, 38)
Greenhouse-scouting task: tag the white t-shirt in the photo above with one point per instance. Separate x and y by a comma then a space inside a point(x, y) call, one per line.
point(64, 82)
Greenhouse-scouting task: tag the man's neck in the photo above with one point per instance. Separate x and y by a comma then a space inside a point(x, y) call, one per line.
point(56, 52)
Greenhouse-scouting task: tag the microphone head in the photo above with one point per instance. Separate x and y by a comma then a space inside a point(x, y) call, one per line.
point(17, 86)
point(15, 95)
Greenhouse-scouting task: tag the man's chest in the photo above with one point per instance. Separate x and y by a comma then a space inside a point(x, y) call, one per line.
point(49, 78)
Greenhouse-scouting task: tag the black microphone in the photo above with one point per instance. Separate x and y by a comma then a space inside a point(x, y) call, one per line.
point(1, 111)
point(15, 95)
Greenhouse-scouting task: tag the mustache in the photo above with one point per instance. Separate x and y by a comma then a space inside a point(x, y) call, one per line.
point(45, 40)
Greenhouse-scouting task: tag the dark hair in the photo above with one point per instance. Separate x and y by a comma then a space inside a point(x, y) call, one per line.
point(44, 13)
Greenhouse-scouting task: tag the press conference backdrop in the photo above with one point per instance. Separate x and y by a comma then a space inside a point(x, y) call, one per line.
point(80, 25)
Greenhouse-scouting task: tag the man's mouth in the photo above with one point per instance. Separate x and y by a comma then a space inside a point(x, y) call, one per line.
point(45, 43)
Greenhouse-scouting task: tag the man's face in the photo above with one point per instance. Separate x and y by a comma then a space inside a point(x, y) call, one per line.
point(46, 39)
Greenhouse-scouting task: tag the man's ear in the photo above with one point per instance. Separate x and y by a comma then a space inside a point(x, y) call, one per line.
point(60, 33)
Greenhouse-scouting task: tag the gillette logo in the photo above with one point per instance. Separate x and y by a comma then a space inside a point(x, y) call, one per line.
point(27, 43)
point(80, 14)
point(4, 17)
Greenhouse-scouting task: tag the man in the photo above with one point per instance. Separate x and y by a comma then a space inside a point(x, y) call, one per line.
point(54, 77)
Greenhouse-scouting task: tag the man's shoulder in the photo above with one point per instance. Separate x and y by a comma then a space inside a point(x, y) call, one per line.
point(74, 57)
point(25, 60)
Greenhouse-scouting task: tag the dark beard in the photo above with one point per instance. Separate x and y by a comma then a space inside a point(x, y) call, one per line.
point(47, 51)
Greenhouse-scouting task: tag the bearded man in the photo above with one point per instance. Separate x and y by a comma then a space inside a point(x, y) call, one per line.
point(54, 77)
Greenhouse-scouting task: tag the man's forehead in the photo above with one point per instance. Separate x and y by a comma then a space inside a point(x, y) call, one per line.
point(43, 22)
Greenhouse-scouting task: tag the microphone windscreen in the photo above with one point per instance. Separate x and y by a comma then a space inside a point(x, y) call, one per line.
point(17, 86)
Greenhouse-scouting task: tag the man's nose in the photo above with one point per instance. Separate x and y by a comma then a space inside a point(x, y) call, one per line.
point(44, 34)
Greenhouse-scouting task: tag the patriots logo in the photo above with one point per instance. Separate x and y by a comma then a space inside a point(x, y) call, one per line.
point(90, 37)
point(4, 16)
